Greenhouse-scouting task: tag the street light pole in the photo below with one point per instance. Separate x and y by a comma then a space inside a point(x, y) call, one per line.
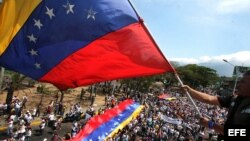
point(237, 74)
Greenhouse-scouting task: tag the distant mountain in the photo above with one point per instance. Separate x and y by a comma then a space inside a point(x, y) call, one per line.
point(222, 69)
point(241, 58)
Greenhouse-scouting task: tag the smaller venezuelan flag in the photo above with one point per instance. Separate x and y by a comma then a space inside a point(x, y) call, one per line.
point(101, 127)
point(166, 97)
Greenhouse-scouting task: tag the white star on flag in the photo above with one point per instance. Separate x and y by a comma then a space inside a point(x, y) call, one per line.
point(32, 38)
point(116, 123)
point(38, 66)
point(33, 52)
point(69, 7)
point(50, 12)
point(91, 13)
point(38, 23)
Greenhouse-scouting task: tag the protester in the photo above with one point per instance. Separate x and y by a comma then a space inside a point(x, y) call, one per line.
point(25, 99)
point(161, 119)
point(237, 104)
point(42, 126)
point(28, 134)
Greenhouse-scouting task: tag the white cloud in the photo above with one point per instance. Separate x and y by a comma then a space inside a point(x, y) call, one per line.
point(233, 6)
point(216, 62)
point(238, 58)
point(185, 60)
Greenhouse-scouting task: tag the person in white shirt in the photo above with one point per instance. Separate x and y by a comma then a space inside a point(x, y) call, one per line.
point(42, 126)
point(51, 120)
point(22, 129)
point(73, 131)
point(28, 118)
point(34, 113)
point(10, 127)
point(17, 107)
point(28, 134)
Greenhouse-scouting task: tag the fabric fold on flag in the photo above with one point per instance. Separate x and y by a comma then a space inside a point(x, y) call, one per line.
point(103, 126)
point(76, 43)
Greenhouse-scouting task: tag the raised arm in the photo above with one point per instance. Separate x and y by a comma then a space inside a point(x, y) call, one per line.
point(202, 97)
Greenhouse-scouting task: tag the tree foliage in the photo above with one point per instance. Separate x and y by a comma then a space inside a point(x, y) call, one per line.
point(197, 76)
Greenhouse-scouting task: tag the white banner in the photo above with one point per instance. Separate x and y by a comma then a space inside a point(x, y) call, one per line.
point(170, 120)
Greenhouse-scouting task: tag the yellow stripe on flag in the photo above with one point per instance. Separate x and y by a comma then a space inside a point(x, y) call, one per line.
point(13, 14)
point(126, 122)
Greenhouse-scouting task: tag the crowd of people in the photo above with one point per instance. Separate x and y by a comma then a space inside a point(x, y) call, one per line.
point(15, 115)
point(160, 119)
point(151, 124)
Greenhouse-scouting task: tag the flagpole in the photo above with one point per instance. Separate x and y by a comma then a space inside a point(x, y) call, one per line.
point(187, 93)
point(176, 75)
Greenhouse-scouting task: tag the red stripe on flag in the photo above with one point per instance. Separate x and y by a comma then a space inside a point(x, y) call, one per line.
point(98, 120)
point(128, 52)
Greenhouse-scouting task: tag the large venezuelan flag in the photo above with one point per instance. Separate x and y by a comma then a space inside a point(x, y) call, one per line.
point(106, 125)
point(71, 43)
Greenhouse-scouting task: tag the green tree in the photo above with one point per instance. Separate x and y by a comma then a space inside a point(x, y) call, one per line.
point(197, 76)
